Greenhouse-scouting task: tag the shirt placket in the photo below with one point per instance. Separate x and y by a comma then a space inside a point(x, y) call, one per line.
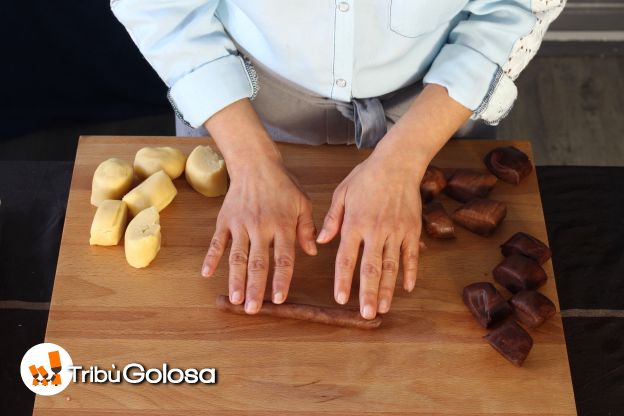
point(343, 50)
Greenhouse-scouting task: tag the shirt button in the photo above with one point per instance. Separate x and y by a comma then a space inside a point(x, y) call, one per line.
point(343, 6)
point(341, 83)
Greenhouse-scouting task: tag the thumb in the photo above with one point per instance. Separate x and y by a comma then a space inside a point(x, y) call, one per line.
point(306, 231)
point(333, 219)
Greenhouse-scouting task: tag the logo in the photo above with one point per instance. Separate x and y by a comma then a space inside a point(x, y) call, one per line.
point(46, 369)
point(135, 373)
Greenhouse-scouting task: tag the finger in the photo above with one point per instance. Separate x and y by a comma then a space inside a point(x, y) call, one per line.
point(333, 219)
point(370, 275)
point(238, 266)
point(346, 258)
point(215, 251)
point(389, 271)
point(306, 231)
point(409, 254)
point(284, 260)
point(257, 272)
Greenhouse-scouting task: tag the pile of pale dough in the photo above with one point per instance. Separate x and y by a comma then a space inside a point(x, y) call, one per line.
point(157, 166)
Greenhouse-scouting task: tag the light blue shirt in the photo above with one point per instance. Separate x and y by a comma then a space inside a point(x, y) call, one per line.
point(338, 49)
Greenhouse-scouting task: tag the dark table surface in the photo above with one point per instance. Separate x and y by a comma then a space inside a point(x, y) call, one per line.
point(584, 210)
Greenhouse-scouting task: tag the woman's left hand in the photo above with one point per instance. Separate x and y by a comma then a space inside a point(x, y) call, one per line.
point(377, 204)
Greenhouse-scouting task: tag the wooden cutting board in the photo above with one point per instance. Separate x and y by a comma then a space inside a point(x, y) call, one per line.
point(428, 358)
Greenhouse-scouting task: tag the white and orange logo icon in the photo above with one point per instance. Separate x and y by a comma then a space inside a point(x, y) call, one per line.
point(45, 369)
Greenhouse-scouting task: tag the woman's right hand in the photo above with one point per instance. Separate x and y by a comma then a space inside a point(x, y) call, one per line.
point(264, 206)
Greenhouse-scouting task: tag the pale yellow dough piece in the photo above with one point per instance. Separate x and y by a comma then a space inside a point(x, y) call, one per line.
point(108, 223)
point(150, 160)
point(142, 239)
point(111, 180)
point(206, 172)
point(156, 191)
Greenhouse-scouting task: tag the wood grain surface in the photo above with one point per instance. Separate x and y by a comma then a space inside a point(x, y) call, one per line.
point(428, 358)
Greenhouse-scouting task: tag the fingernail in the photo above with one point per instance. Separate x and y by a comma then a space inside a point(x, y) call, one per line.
point(341, 298)
point(278, 297)
point(321, 236)
point(251, 306)
point(205, 270)
point(410, 285)
point(384, 306)
point(312, 249)
point(368, 312)
point(237, 297)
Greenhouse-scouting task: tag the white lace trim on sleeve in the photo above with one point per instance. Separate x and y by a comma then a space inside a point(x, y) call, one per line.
point(526, 47)
point(503, 92)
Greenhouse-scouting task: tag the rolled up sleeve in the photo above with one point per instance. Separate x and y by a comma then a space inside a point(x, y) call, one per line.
point(211, 87)
point(486, 52)
point(187, 46)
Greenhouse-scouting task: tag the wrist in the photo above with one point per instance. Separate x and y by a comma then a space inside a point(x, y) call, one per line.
point(250, 160)
point(411, 154)
point(244, 153)
point(242, 139)
point(424, 129)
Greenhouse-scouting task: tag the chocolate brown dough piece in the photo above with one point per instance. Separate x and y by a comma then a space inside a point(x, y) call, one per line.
point(510, 164)
point(350, 318)
point(485, 303)
point(466, 184)
point(432, 184)
point(531, 308)
point(482, 216)
point(517, 272)
point(437, 222)
point(522, 243)
point(511, 341)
